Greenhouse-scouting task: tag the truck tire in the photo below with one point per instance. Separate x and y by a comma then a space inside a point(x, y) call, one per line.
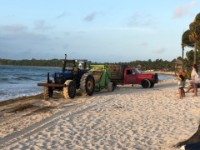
point(110, 87)
point(69, 91)
point(152, 85)
point(146, 83)
point(48, 91)
point(114, 86)
point(87, 84)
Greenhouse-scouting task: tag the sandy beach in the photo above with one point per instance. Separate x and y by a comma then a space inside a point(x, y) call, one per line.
point(130, 118)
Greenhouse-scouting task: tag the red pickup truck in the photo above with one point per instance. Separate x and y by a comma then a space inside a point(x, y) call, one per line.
point(121, 74)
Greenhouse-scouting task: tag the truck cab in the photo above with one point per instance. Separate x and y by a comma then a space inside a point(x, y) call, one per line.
point(135, 76)
point(129, 76)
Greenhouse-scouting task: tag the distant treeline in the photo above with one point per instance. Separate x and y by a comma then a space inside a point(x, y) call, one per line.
point(158, 64)
point(32, 62)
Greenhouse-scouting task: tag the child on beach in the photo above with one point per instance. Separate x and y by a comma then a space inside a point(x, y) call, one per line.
point(181, 86)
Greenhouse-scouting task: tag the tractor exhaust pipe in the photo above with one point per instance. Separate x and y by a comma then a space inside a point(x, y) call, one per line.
point(48, 80)
point(64, 63)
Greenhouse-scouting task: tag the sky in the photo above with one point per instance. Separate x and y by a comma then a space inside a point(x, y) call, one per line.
point(97, 30)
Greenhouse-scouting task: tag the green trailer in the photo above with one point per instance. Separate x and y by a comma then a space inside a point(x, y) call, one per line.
point(101, 74)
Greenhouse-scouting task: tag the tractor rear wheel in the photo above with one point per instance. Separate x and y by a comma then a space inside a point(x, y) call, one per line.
point(87, 84)
point(69, 91)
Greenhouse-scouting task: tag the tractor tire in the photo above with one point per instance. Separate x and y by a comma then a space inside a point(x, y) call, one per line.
point(69, 91)
point(110, 87)
point(48, 92)
point(87, 84)
point(146, 83)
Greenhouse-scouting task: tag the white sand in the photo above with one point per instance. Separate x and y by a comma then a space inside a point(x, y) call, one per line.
point(128, 118)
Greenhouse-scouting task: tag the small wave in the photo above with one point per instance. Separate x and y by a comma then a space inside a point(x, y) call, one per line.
point(23, 78)
point(13, 82)
point(2, 93)
point(4, 79)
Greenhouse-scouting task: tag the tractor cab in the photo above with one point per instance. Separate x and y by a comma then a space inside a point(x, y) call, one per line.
point(71, 70)
point(75, 65)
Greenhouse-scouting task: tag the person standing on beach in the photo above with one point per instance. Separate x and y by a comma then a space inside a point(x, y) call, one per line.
point(180, 86)
point(182, 76)
point(195, 78)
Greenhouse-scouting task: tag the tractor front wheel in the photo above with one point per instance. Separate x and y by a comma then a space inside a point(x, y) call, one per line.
point(87, 84)
point(69, 91)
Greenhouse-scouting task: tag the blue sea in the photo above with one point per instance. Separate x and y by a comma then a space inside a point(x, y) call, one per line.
point(17, 81)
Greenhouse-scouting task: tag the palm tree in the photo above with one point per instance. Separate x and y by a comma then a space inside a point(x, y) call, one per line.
point(191, 37)
point(186, 41)
point(195, 35)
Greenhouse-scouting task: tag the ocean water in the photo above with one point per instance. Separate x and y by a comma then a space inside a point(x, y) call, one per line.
point(16, 81)
point(165, 77)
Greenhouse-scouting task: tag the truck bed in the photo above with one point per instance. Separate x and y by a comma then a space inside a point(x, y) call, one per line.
point(117, 72)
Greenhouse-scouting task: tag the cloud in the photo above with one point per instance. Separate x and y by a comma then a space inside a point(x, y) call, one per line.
point(159, 50)
point(90, 17)
point(141, 20)
point(22, 40)
point(66, 33)
point(144, 44)
point(184, 10)
point(24, 36)
point(62, 15)
point(41, 25)
point(13, 28)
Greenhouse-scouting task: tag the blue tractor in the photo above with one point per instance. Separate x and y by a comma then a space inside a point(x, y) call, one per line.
point(74, 76)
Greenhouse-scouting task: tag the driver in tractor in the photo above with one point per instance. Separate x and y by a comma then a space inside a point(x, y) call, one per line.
point(75, 70)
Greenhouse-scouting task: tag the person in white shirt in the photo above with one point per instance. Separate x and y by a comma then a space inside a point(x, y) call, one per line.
point(195, 78)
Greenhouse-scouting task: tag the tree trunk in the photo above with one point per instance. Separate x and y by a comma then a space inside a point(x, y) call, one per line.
point(195, 54)
point(182, 52)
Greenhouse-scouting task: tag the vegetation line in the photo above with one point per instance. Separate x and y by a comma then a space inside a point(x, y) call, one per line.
point(158, 64)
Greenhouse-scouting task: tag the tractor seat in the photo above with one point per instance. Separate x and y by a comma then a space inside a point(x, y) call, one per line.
point(97, 75)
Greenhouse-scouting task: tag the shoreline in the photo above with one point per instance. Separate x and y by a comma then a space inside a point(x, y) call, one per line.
point(38, 95)
point(162, 73)
point(18, 99)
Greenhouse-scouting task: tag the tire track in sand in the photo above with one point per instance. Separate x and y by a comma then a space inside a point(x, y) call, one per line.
point(48, 122)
